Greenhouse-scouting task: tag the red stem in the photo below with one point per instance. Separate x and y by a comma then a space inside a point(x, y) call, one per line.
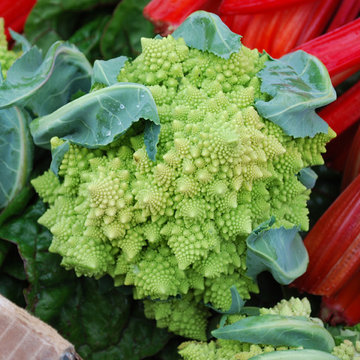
point(166, 15)
point(333, 245)
point(343, 307)
point(237, 23)
point(339, 49)
point(352, 165)
point(344, 112)
point(347, 12)
point(288, 32)
point(321, 14)
point(232, 7)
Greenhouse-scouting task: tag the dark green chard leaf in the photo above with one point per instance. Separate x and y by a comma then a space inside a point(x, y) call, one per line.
point(296, 354)
point(44, 85)
point(278, 330)
point(308, 177)
point(53, 20)
point(49, 282)
point(280, 251)
point(299, 83)
point(87, 38)
point(106, 71)
point(96, 119)
point(206, 31)
point(125, 29)
point(16, 153)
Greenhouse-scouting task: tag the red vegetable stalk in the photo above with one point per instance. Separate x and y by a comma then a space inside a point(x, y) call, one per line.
point(344, 112)
point(347, 12)
point(343, 307)
point(15, 14)
point(352, 165)
point(166, 15)
point(233, 7)
point(339, 50)
point(333, 245)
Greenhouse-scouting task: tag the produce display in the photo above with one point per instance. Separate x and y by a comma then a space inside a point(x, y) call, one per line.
point(156, 191)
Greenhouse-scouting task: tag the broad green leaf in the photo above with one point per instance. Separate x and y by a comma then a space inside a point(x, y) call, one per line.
point(296, 355)
point(50, 284)
point(87, 38)
point(16, 153)
point(53, 20)
point(206, 31)
point(106, 71)
point(307, 177)
point(280, 251)
point(44, 85)
point(123, 32)
point(299, 83)
point(96, 119)
point(278, 330)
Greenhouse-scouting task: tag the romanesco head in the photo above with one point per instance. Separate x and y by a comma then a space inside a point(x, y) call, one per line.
point(176, 228)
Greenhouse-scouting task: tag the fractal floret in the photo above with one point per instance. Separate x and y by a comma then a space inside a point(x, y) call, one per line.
point(175, 228)
point(222, 349)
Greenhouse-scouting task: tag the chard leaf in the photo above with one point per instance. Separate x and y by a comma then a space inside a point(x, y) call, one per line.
point(300, 354)
point(122, 34)
point(97, 118)
point(43, 85)
point(206, 31)
point(307, 177)
point(16, 153)
point(280, 251)
point(299, 83)
point(278, 330)
point(106, 71)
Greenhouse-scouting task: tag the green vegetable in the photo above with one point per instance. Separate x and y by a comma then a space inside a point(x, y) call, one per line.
point(175, 228)
point(269, 335)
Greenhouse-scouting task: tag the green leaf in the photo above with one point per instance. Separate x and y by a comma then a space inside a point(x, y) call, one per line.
point(96, 119)
point(46, 84)
point(237, 303)
point(57, 156)
point(299, 83)
point(51, 285)
point(53, 20)
point(206, 31)
point(25, 45)
point(278, 330)
point(16, 153)
point(280, 251)
point(125, 29)
point(296, 354)
point(307, 177)
point(87, 38)
point(106, 72)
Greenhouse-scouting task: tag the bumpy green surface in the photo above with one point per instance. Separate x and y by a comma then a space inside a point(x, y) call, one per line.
point(6, 57)
point(236, 350)
point(176, 228)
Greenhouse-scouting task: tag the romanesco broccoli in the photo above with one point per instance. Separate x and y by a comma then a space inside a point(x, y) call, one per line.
point(176, 228)
point(221, 349)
